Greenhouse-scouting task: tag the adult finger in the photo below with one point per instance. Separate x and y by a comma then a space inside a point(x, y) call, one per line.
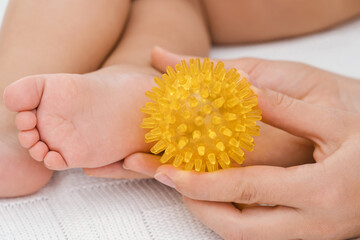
point(114, 170)
point(143, 163)
point(255, 184)
point(298, 117)
point(250, 223)
point(248, 185)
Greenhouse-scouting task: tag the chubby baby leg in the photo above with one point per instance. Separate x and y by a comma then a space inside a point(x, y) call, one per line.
point(48, 37)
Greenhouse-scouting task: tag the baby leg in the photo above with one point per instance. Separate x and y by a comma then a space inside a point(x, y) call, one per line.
point(49, 37)
point(93, 120)
point(254, 21)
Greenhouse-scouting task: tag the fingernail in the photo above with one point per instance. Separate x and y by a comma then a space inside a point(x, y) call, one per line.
point(125, 167)
point(164, 179)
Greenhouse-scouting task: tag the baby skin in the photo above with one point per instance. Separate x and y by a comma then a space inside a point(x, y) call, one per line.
point(73, 120)
point(88, 40)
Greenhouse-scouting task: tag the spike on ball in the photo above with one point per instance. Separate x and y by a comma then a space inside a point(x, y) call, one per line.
point(201, 117)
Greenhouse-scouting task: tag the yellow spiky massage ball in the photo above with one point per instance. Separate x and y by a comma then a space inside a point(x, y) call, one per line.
point(201, 116)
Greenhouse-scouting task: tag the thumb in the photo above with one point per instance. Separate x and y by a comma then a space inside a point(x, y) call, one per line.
point(298, 117)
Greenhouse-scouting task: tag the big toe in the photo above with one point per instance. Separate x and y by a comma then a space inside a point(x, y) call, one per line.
point(24, 94)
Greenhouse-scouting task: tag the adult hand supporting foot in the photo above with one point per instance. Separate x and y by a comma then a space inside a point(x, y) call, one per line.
point(313, 201)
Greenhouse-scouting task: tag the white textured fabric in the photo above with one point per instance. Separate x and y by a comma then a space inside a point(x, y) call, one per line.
point(73, 206)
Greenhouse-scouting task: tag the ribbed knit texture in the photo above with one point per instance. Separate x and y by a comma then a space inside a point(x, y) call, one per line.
point(74, 206)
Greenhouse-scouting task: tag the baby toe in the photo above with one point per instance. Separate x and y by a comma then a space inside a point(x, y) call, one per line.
point(39, 151)
point(24, 94)
point(28, 138)
point(25, 120)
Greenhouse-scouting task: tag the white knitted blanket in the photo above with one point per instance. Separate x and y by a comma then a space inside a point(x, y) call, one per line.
point(73, 206)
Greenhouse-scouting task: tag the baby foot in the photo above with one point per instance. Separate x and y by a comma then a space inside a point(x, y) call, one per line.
point(19, 174)
point(69, 120)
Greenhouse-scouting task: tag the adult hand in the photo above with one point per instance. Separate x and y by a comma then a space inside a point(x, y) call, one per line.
point(313, 201)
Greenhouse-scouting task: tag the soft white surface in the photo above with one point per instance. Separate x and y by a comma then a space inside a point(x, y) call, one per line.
point(3, 4)
point(73, 206)
point(336, 50)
